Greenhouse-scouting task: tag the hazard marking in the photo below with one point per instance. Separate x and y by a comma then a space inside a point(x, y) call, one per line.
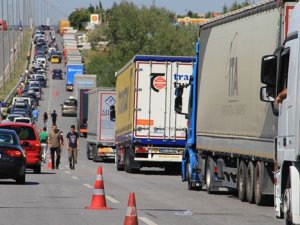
point(56, 93)
point(159, 82)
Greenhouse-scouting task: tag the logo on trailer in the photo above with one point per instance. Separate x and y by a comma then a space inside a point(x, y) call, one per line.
point(158, 81)
point(110, 101)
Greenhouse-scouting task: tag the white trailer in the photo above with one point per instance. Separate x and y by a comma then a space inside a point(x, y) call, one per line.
point(101, 124)
point(148, 131)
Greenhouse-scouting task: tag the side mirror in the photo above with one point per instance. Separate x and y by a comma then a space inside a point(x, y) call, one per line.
point(269, 70)
point(267, 94)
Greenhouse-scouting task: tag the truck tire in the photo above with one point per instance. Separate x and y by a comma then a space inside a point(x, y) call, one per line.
point(250, 182)
point(258, 181)
point(191, 185)
point(88, 152)
point(21, 179)
point(287, 202)
point(242, 180)
point(209, 175)
point(117, 162)
point(95, 153)
point(128, 162)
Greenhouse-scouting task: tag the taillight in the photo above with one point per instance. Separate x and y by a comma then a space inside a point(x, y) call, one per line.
point(215, 170)
point(141, 150)
point(13, 153)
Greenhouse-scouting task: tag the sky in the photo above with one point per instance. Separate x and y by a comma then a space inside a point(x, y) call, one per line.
point(178, 6)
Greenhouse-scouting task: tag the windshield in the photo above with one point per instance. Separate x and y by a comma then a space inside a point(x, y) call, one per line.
point(24, 133)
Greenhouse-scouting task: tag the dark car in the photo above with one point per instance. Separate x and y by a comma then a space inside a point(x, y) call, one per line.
point(32, 96)
point(57, 74)
point(29, 138)
point(12, 157)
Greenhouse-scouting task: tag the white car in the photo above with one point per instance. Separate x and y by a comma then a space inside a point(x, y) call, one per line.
point(23, 120)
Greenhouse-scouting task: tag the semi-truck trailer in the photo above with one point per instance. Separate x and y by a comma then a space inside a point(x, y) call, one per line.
point(83, 84)
point(236, 140)
point(148, 131)
point(101, 124)
point(71, 71)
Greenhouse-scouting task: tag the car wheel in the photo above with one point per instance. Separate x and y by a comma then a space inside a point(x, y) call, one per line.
point(37, 169)
point(21, 180)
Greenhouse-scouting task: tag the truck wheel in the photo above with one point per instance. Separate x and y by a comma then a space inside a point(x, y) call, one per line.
point(117, 162)
point(128, 162)
point(188, 175)
point(242, 181)
point(88, 152)
point(250, 182)
point(287, 202)
point(209, 175)
point(258, 181)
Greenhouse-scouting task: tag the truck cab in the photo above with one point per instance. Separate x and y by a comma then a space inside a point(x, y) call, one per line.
point(282, 89)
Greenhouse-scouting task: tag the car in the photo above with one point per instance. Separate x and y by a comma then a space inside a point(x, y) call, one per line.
point(57, 74)
point(12, 157)
point(11, 117)
point(23, 120)
point(37, 91)
point(69, 108)
point(34, 99)
point(55, 59)
point(29, 138)
point(41, 78)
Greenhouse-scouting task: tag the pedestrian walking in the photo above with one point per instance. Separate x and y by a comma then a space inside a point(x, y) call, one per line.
point(45, 118)
point(54, 117)
point(55, 144)
point(43, 136)
point(35, 115)
point(72, 140)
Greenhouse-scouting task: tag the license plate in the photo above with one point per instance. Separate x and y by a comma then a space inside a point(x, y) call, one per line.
point(105, 150)
point(169, 156)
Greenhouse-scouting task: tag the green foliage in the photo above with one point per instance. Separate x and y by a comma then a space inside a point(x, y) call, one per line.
point(132, 30)
point(236, 6)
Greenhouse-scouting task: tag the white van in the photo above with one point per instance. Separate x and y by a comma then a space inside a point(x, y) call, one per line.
point(18, 99)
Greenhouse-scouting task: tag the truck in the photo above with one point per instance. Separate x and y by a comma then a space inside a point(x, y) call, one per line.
point(236, 139)
point(3, 25)
point(101, 124)
point(82, 84)
point(71, 71)
point(148, 131)
point(62, 23)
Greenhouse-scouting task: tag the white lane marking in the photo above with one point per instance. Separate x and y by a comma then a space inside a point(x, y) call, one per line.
point(146, 221)
point(67, 172)
point(75, 178)
point(111, 199)
point(88, 186)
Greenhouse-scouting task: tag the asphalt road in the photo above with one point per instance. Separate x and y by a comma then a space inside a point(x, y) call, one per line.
point(60, 196)
point(8, 43)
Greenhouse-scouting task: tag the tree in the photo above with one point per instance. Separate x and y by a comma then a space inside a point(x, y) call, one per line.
point(148, 31)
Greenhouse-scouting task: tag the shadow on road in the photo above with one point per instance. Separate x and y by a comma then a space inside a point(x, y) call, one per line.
point(14, 183)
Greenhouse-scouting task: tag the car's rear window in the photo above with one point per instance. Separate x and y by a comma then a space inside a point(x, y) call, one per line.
point(69, 103)
point(24, 133)
point(7, 139)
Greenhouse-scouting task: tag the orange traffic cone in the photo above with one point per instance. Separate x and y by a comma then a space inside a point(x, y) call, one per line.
point(49, 166)
point(98, 200)
point(131, 215)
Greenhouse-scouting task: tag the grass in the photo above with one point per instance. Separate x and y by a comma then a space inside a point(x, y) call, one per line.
point(19, 68)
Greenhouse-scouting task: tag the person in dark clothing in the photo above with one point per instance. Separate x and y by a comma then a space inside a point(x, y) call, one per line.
point(54, 117)
point(72, 140)
point(45, 118)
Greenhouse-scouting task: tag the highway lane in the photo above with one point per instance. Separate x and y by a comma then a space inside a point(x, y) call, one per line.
point(8, 44)
point(60, 196)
